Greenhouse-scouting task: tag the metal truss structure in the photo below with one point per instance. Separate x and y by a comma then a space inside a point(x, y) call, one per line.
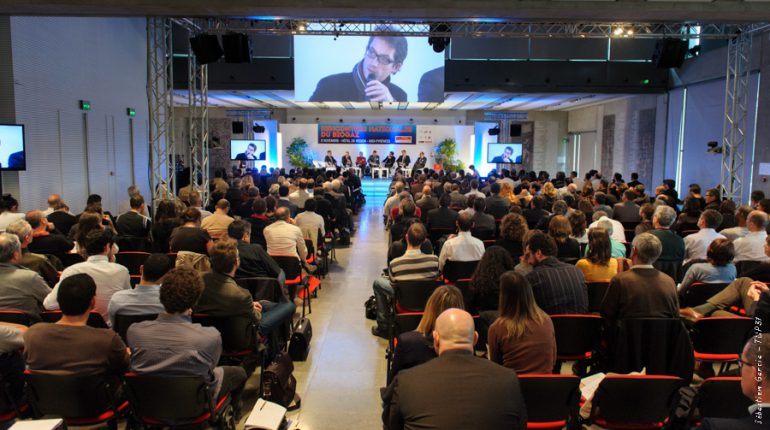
point(736, 113)
point(198, 131)
point(160, 96)
point(472, 28)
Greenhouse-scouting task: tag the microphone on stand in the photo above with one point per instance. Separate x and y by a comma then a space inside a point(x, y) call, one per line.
point(369, 78)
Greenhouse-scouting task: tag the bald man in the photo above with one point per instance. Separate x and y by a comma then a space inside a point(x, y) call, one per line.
point(751, 246)
point(54, 200)
point(456, 390)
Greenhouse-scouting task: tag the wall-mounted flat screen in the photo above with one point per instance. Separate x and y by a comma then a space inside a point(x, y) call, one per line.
point(12, 154)
point(504, 153)
point(245, 150)
point(387, 69)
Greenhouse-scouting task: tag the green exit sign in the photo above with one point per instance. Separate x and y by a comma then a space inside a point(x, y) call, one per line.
point(85, 105)
point(130, 112)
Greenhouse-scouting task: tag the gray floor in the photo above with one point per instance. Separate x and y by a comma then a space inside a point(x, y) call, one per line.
point(339, 383)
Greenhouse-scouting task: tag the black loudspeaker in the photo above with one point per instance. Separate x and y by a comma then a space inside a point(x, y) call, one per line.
point(669, 53)
point(206, 48)
point(515, 130)
point(237, 48)
point(237, 127)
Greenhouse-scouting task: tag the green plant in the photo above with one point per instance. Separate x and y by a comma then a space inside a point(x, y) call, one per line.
point(297, 152)
point(446, 154)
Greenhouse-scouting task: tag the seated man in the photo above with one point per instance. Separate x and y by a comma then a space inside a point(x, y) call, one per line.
point(284, 237)
point(642, 291)
point(172, 345)
point(216, 224)
point(144, 299)
point(46, 240)
point(482, 220)
point(696, 244)
point(750, 247)
point(673, 244)
point(407, 216)
point(559, 288)
point(413, 265)
point(737, 293)
point(70, 347)
point(109, 277)
point(254, 261)
point(36, 262)
point(754, 384)
point(223, 297)
point(285, 202)
point(310, 222)
point(613, 227)
point(433, 395)
point(20, 288)
point(463, 246)
point(133, 223)
point(617, 249)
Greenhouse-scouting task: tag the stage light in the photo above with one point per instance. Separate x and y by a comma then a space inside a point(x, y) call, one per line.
point(494, 131)
point(439, 43)
point(618, 31)
point(258, 128)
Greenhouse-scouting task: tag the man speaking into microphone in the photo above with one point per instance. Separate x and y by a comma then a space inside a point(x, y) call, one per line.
point(370, 78)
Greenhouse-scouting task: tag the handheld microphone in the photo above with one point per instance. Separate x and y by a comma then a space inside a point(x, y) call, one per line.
point(369, 78)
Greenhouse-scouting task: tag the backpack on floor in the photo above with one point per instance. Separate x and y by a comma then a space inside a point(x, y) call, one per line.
point(344, 237)
point(278, 383)
point(299, 345)
point(370, 307)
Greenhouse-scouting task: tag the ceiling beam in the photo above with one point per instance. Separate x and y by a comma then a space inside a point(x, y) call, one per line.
point(619, 10)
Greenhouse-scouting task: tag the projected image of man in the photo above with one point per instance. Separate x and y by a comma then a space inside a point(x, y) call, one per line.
point(250, 153)
point(370, 79)
point(507, 157)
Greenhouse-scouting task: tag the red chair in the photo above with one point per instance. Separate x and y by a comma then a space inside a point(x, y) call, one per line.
point(720, 339)
point(297, 283)
point(596, 292)
point(14, 316)
point(635, 401)
point(171, 401)
point(454, 270)
point(577, 336)
point(553, 401)
point(132, 260)
point(722, 397)
point(95, 319)
point(81, 400)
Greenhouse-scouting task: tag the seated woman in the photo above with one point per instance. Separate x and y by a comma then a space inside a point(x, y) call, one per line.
point(577, 220)
point(688, 219)
point(190, 236)
point(416, 347)
point(559, 229)
point(598, 265)
point(484, 289)
point(89, 221)
point(513, 230)
point(522, 338)
point(718, 268)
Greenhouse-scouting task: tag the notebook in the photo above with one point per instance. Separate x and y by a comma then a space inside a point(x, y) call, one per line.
point(265, 416)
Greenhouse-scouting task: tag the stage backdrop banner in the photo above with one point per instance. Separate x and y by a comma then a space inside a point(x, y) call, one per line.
point(367, 134)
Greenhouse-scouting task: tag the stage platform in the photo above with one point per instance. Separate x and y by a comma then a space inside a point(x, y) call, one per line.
point(376, 190)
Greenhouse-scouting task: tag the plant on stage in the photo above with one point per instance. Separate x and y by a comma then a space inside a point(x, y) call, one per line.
point(297, 153)
point(445, 153)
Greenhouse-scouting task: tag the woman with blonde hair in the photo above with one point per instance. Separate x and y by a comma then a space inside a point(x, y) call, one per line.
point(506, 192)
point(549, 193)
point(560, 229)
point(522, 337)
point(416, 347)
point(246, 183)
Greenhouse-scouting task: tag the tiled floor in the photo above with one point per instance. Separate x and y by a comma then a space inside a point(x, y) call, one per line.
point(339, 383)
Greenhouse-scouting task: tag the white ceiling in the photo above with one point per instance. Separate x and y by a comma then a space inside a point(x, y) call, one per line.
point(241, 99)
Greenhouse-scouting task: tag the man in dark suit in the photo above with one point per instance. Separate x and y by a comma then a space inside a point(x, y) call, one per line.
point(403, 160)
point(673, 244)
point(443, 217)
point(627, 210)
point(62, 219)
point(755, 384)
point(481, 220)
point(419, 164)
point(427, 202)
point(535, 214)
point(643, 291)
point(497, 206)
point(435, 395)
point(284, 202)
point(133, 223)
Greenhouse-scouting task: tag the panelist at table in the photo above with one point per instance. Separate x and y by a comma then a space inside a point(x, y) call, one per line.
point(403, 161)
point(390, 160)
point(420, 163)
point(331, 162)
point(361, 163)
point(347, 161)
